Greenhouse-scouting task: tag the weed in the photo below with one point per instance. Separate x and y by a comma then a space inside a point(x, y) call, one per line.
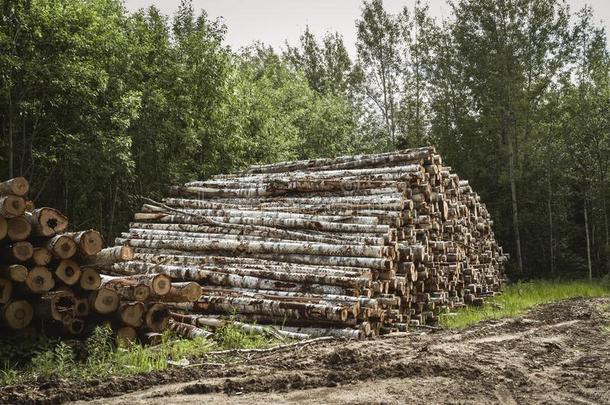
point(101, 359)
point(519, 297)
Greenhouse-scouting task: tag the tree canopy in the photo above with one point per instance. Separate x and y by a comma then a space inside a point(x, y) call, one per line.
point(99, 106)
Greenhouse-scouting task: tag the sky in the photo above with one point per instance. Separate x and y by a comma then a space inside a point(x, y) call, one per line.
point(274, 22)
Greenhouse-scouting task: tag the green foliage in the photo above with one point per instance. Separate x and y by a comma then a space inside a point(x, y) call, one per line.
point(98, 358)
point(231, 337)
point(99, 106)
point(522, 296)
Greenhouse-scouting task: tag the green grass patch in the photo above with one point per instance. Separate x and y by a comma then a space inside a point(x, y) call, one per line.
point(522, 296)
point(40, 358)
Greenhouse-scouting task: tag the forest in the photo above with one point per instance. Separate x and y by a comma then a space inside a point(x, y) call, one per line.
point(100, 107)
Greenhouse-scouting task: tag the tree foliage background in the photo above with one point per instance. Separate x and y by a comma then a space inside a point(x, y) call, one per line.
point(99, 107)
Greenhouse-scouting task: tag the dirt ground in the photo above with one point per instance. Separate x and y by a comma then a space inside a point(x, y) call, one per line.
point(558, 353)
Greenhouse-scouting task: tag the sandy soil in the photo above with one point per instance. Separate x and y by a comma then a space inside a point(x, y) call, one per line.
point(558, 353)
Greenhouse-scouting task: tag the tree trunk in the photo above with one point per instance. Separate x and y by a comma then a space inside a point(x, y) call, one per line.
point(589, 267)
point(515, 208)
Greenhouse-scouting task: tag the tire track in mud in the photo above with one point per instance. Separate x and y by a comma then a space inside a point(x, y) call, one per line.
point(557, 353)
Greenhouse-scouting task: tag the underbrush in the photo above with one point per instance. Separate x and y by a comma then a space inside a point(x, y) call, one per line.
point(96, 358)
point(517, 298)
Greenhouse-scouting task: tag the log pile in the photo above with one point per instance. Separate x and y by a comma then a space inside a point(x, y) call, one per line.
point(50, 278)
point(350, 246)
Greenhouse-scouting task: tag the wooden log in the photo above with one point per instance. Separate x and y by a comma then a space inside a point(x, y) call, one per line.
point(3, 228)
point(128, 289)
point(345, 162)
point(39, 280)
point(249, 263)
point(160, 284)
point(303, 277)
point(14, 272)
point(81, 307)
point(188, 331)
point(41, 256)
point(17, 314)
point(6, 290)
point(131, 313)
point(88, 242)
point(55, 305)
point(274, 308)
point(109, 256)
point(18, 186)
point(68, 272)
point(364, 302)
point(285, 223)
point(152, 338)
point(319, 332)
point(47, 222)
point(252, 247)
point(19, 229)
point(74, 326)
point(353, 262)
point(172, 231)
point(126, 335)
point(104, 301)
point(17, 252)
point(89, 279)
point(181, 292)
point(157, 317)
point(193, 274)
point(62, 246)
point(12, 206)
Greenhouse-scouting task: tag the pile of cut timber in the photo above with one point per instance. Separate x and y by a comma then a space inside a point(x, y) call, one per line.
point(350, 246)
point(50, 279)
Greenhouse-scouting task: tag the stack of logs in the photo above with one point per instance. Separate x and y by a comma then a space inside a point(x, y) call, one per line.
point(50, 279)
point(350, 246)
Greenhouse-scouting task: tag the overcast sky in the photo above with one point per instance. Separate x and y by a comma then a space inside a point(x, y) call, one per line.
point(275, 21)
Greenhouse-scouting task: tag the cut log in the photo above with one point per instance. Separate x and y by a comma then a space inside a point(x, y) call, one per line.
point(188, 331)
point(17, 186)
point(41, 257)
point(104, 301)
point(14, 272)
point(39, 280)
point(159, 284)
point(81, 307)
point(89, 279)
point(68, 272)
point(127, 335)
point(74, 326)
point(109, 256)
point(47, 222)
point(55, 305)
point(61, 246)
point(19, 229)
point(6, 290)
point(17, 314)
point(181, 292)
point(157, 317)
point(131, 313)
point(12, 206)
point(3, 228)
point(17, 252)
point(319, 332)
point(128, 289)
point(89, 242)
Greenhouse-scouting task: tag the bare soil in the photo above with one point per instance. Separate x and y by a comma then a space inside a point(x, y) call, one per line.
point(558, 353)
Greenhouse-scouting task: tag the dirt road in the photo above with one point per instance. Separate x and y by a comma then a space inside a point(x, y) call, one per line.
point(559, 353)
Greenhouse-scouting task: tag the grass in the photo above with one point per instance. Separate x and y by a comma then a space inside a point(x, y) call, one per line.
point(520, 297)
point(40, 358)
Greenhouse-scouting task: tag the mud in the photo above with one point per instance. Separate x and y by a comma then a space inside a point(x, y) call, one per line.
point(558, 353)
